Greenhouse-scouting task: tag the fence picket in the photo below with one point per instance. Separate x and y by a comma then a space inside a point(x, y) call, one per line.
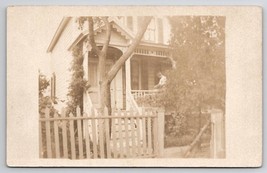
point(132, 134)
point(87, 139)
point(57, 150)
point(64, 135)
point(120, 135)
point(144, 126)
point(155, 136)
point(80, 135)
point(40, 140)
point(94, 131)
point(101, 136)
point(72, 138)
point(149, 135)
point(126, 126)
point(114, 138)
point(48, 135)
point(107, 132)
point(138, 136)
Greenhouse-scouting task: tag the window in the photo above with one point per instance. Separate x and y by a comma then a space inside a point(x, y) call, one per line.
point(151, 31)
point(139, 74)
point(135, 75)
point(160, 31)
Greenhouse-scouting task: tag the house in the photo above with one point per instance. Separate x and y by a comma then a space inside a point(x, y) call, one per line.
point(136, 78)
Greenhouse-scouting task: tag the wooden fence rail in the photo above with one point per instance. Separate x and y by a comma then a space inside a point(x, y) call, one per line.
point(124, 134)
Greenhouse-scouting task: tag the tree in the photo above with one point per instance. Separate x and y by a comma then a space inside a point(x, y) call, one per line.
point(44, 101)
point(105, 79)
point(197, 81)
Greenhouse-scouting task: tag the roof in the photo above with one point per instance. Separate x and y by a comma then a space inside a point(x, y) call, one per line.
point(116, 24)
point(58, 33)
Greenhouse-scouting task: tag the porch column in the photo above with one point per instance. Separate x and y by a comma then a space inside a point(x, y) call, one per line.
point(128, 82)
point(85, 60)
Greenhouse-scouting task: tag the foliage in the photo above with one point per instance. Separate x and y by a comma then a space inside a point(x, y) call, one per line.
point(43, 84)
point(77, 84)
point(44, 101)
point(198, 82)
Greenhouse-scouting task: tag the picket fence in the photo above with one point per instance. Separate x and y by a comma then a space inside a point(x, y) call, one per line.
point(124, 134)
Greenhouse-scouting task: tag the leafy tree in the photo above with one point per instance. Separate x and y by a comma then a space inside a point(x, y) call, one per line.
point(197, 81)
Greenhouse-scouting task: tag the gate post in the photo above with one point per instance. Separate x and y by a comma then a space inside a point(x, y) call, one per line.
point(217, 143)
point(161, 125)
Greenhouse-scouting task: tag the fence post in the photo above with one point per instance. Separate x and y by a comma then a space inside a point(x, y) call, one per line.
point(217, 142)
point(161, 125)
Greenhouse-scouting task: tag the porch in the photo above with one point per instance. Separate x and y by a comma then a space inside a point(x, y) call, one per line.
point(136, 78)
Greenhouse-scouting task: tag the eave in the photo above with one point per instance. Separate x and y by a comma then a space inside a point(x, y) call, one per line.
point(58, 33)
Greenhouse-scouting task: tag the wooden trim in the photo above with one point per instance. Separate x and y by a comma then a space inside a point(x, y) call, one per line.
point(58, 33)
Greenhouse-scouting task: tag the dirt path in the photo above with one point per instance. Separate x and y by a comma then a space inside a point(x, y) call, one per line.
point(178, 152)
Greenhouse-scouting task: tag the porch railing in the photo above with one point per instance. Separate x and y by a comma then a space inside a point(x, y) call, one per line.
point(142, 93)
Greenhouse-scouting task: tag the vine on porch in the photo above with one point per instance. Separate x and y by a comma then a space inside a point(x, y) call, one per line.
point(77, 83)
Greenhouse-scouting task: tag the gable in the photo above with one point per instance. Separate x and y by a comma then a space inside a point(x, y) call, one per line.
point(115, 39)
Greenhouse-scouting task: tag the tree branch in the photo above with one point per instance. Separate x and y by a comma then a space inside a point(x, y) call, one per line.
point(116, 67)
point(91, 37)
point(108, 34)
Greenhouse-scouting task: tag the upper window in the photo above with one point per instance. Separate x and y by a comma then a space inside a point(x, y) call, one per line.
point(160, 31)
point(151, 31)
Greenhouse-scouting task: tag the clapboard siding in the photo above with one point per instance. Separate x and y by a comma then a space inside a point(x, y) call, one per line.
point(61, 59)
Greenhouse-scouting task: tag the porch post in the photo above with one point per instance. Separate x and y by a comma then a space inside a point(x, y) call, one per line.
point(217, 143)
point(85, 60)
point(128, 81)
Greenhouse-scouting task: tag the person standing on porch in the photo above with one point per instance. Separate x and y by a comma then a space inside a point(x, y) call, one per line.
point(162, 81)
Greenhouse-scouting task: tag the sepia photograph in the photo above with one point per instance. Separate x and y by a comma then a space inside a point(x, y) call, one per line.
point(121, 86)
point(134, 87)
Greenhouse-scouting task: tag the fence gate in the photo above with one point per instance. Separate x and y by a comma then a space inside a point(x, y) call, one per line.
point(124, 134)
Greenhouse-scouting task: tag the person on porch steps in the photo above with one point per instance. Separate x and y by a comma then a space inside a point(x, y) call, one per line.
point(162, 81)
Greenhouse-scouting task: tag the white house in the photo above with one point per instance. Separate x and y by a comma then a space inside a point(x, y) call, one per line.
point(135, 79)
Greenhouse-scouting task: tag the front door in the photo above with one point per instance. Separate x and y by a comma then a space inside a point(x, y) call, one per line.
point(116, 87)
